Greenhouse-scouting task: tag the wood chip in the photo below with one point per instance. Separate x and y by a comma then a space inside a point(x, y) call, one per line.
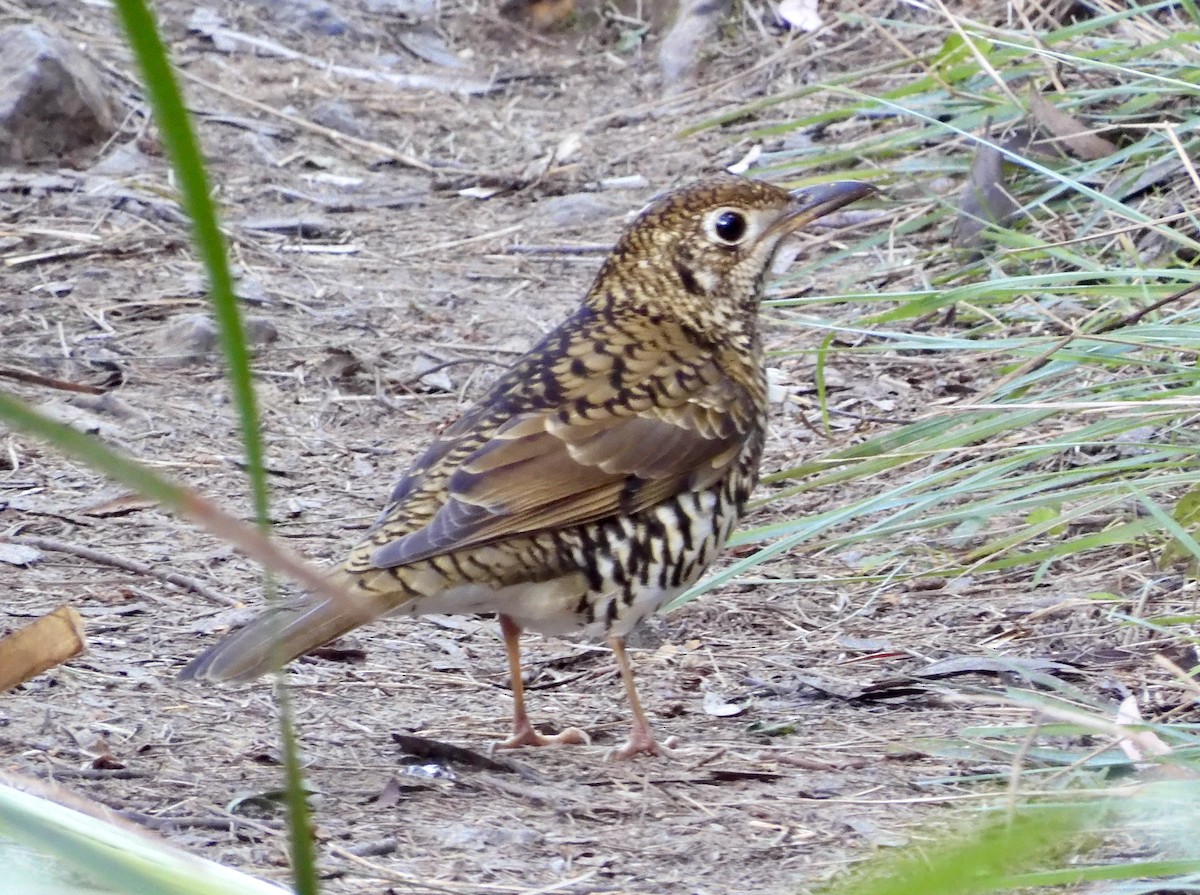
point(48, 642)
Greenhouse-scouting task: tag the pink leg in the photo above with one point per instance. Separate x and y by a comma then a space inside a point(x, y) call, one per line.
point(523, 732)
point(641, 737)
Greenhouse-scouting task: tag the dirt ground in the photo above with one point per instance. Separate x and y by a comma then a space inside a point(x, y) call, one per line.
point(383, 296)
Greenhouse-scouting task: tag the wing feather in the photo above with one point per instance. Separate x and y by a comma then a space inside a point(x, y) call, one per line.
point(539, 472)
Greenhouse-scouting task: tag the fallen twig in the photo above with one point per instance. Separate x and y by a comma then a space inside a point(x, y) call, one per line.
point(185, 582)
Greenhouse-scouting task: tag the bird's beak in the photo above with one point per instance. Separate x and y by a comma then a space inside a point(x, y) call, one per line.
point(817, 201)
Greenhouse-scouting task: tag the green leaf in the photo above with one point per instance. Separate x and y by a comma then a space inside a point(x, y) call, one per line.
point(1049, 513)
point(1187, 515)
point(960, 47)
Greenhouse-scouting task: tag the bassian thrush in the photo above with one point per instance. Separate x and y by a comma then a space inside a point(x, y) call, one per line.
point(601, 475)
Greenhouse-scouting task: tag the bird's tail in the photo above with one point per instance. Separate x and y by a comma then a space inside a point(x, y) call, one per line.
point(275, 638)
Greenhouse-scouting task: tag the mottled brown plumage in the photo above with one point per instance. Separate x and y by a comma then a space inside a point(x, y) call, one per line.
point(600, 476)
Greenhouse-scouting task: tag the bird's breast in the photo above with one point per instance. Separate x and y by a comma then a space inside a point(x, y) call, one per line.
point(634, 564)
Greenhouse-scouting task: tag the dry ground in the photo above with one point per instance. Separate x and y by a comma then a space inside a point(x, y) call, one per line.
point(360, 274)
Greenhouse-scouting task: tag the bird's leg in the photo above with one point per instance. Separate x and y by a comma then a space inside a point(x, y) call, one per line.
point(523, 731)
point(641, 737)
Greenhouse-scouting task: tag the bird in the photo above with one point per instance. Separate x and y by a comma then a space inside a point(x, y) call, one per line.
point(600, 475)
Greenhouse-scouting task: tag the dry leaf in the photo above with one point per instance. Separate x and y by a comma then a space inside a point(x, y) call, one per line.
point(481, 192)
point(118, 506)
point(1140, 744)
point(1140, 179)
point(544, 15)
point(389, 796)
point(1068, 130)
point(427, 44)
point(107, 762)
point(1025, 668)
point(985, 198)
point(715, 704)
point(340, 363)
point(349, 655)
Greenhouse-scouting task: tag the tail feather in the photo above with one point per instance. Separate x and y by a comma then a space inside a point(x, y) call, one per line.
point(271, 641)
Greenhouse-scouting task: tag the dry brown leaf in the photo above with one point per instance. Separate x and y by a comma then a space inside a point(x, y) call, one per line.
point(544, 15)
point(985, 198)
point(1068, 130)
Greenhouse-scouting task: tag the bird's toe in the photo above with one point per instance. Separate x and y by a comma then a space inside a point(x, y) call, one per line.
point(528, 736)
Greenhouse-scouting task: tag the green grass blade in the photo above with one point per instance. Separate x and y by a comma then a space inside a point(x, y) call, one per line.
point(121, 858)
point(178, 137)
point(249, 539)
point(980, 862)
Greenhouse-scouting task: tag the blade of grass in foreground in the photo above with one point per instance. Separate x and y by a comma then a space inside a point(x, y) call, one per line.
point(175, 128)
point(121, 858)
point(184, 501)
point(1023, 848)
point(979, 862)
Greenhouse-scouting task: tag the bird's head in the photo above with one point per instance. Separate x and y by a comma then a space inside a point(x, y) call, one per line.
point(699, 255)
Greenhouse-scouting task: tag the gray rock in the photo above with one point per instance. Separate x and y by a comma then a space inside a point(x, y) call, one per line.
point(52, 100)
point(188, 338)
point(194, 337)
point(576, 209)
point(316, 16)
point(337, 114)
point(261, 331)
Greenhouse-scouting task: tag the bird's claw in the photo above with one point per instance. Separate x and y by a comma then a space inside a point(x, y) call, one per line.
point(643, 743)
point(528, 736)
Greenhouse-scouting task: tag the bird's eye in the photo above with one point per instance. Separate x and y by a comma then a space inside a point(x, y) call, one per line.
point(729, 227)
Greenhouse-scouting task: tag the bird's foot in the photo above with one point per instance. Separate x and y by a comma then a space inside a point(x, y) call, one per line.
point(528, 736)
point(642, 742)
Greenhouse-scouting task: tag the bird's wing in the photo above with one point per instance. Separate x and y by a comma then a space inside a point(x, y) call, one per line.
point(541, 471)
